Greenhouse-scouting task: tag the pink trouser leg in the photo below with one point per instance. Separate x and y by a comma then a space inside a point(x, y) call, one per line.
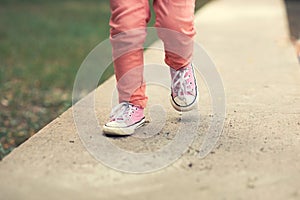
point(175, 23)
point(128, 32)
point(174, 20)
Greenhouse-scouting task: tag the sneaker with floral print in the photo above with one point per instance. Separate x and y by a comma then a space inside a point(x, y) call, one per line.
point(124, 119)
point(184, 88)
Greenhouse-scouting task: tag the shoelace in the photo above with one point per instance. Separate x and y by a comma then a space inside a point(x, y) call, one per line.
point(180, 81)
point(122, 112)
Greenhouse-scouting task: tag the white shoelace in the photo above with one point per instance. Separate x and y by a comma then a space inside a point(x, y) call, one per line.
point(179, 81)
point(122, 112)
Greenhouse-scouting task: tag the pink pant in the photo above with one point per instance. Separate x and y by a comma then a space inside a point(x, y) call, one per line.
point(128, 23)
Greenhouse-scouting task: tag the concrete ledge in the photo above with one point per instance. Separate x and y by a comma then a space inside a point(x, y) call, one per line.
point(256, 157)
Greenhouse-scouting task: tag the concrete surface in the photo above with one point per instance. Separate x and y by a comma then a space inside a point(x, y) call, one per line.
point(257, 156)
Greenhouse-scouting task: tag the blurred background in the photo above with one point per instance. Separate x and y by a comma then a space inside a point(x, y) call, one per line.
point(42, 44)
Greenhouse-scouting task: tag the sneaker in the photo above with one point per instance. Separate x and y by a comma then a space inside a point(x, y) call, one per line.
point(184, 89)
point(124, 119)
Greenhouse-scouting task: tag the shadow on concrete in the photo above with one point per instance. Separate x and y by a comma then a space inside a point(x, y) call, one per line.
point(293, 14)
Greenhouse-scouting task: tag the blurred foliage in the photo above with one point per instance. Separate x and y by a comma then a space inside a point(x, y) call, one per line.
point(42, 44)
point(201, 3)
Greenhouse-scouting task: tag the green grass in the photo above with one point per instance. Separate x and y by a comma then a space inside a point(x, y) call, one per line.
point(42, 44)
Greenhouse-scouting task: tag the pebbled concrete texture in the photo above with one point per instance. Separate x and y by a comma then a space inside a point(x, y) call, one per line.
point(257, 155)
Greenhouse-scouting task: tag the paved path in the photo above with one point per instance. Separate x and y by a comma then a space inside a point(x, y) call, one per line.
point(257, 156)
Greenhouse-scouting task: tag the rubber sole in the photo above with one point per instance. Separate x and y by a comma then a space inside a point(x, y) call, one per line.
point(183, 108)
point(124, 131)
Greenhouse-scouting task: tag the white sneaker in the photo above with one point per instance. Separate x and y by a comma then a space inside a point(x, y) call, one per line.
point(184, 88)
point(124, 119)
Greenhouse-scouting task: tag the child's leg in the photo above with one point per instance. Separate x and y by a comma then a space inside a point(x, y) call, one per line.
point(175, 26)
point(178, 17)
point(127, 43)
